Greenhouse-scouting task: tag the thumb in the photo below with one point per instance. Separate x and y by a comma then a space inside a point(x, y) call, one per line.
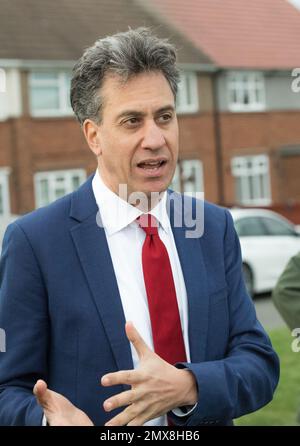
point(40, 391)
point(136, 339)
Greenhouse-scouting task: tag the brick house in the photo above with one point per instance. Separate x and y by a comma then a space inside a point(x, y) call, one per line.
point(43, 154)
point(255, 46)
point(238, 117)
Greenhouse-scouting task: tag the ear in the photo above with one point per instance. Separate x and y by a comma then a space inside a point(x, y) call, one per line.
point(91, 133)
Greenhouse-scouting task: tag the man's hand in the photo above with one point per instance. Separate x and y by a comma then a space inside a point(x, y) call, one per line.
point(156, 386)
point(59, 411)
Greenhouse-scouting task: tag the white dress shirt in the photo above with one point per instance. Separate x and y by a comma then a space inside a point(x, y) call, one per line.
point(125, 241)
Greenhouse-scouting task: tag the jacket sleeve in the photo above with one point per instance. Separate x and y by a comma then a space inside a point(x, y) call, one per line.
point(24, 318)
point(286, 295)
point(245, 379)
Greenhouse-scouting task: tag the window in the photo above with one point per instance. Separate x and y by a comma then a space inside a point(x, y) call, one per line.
point(188, 177)
point(52, 185)
point(49, 94)
point(250, 227)
point(2, 81)
point(252, 179)
point(187, 95)
point(246, 91)
point(279, 228)
point(4, 192)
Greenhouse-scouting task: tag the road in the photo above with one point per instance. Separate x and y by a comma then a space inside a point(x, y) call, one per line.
point(267, 313)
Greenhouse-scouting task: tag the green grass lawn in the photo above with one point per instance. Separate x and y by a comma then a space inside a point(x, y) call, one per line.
point(286, 403)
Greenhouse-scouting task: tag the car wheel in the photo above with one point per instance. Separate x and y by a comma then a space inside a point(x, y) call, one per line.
point(248, 278)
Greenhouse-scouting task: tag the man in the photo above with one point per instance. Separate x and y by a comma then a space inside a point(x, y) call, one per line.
point(286, 295)
point(125, 317)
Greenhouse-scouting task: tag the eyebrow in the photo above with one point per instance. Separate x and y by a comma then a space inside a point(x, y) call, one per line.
point(138, 114)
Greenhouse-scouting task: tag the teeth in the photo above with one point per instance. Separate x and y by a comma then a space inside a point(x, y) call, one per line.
point(154, 164)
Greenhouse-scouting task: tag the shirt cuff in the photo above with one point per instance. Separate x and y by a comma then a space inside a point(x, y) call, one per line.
point(44, 421)
point(184, 411)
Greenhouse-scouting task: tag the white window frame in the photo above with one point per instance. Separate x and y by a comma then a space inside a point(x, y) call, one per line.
point(236, 82)
point(64, 109)
point(260, 167)
point(4, 181)
point(51, 177)
point(183, 169)
point(182, 103)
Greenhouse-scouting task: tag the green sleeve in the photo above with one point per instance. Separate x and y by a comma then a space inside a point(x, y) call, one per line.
point(286, 295)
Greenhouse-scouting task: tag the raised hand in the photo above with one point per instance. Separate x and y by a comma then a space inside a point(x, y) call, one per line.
point(156, 386)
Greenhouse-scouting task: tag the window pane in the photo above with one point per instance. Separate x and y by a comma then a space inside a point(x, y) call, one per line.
point(60, 188)
point(67, 88)
point(1, 200)
point(44, 192)
point(275, 227)
point(192, 176)
point(246, 91)
point(60, 192)
point(238, 190)
point(50, 92)
point(45, 98)
point(188, 90)
point(251, 178)
point(56, 184)
point(250, 226)
point(175, 184)
point(187, 97)
point(75, 182)
point(44, 77)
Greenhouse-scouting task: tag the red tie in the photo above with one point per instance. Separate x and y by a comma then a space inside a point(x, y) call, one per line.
point(163, 307)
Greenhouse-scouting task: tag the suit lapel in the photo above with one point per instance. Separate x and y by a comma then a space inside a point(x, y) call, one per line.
point(91, 245)
point(194, 273)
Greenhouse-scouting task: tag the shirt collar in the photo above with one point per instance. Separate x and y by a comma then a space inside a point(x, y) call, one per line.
point(116, 213)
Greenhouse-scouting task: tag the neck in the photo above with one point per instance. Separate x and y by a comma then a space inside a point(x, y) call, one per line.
point(142, 200)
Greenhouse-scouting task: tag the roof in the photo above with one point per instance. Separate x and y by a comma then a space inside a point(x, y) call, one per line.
point(62, 29)
point(262, 34)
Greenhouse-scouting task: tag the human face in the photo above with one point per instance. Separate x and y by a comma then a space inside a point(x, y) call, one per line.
point(138, 134)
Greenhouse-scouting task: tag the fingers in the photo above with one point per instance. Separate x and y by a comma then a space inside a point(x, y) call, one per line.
point(130, 415)
point(128, 377)
point(136, 339)
point(120, 400)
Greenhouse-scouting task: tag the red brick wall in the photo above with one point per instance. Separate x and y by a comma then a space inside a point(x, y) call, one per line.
point(33, 145)
point(41, 144)
point(197, 140)
point(30, 145)
point(254, 133)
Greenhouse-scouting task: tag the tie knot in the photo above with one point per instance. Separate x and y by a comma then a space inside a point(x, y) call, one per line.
point(148, 223)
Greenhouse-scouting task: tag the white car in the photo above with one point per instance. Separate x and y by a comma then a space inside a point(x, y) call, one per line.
point(4, 222)
point(268, 241)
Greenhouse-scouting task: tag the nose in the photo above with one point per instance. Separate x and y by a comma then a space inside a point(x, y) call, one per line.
point(153, 137)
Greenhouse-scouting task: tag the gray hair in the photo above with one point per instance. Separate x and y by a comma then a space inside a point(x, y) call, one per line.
point(125, 54)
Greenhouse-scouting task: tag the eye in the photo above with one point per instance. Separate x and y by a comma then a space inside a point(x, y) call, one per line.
point(166, 117)
point(132, 122)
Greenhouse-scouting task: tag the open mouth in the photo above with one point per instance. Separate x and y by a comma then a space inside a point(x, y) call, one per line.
point(151, 165)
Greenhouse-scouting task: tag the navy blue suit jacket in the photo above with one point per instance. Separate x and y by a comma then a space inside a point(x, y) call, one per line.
point(62, 313)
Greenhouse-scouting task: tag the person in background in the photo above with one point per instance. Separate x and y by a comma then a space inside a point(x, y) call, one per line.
point(286, 294)
point(286, 297)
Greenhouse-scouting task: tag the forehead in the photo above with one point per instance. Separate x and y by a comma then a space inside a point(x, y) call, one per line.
point(141, 92)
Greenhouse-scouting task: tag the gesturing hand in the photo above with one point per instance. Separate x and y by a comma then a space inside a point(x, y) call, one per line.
point(156, 386)
point(58, 410)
